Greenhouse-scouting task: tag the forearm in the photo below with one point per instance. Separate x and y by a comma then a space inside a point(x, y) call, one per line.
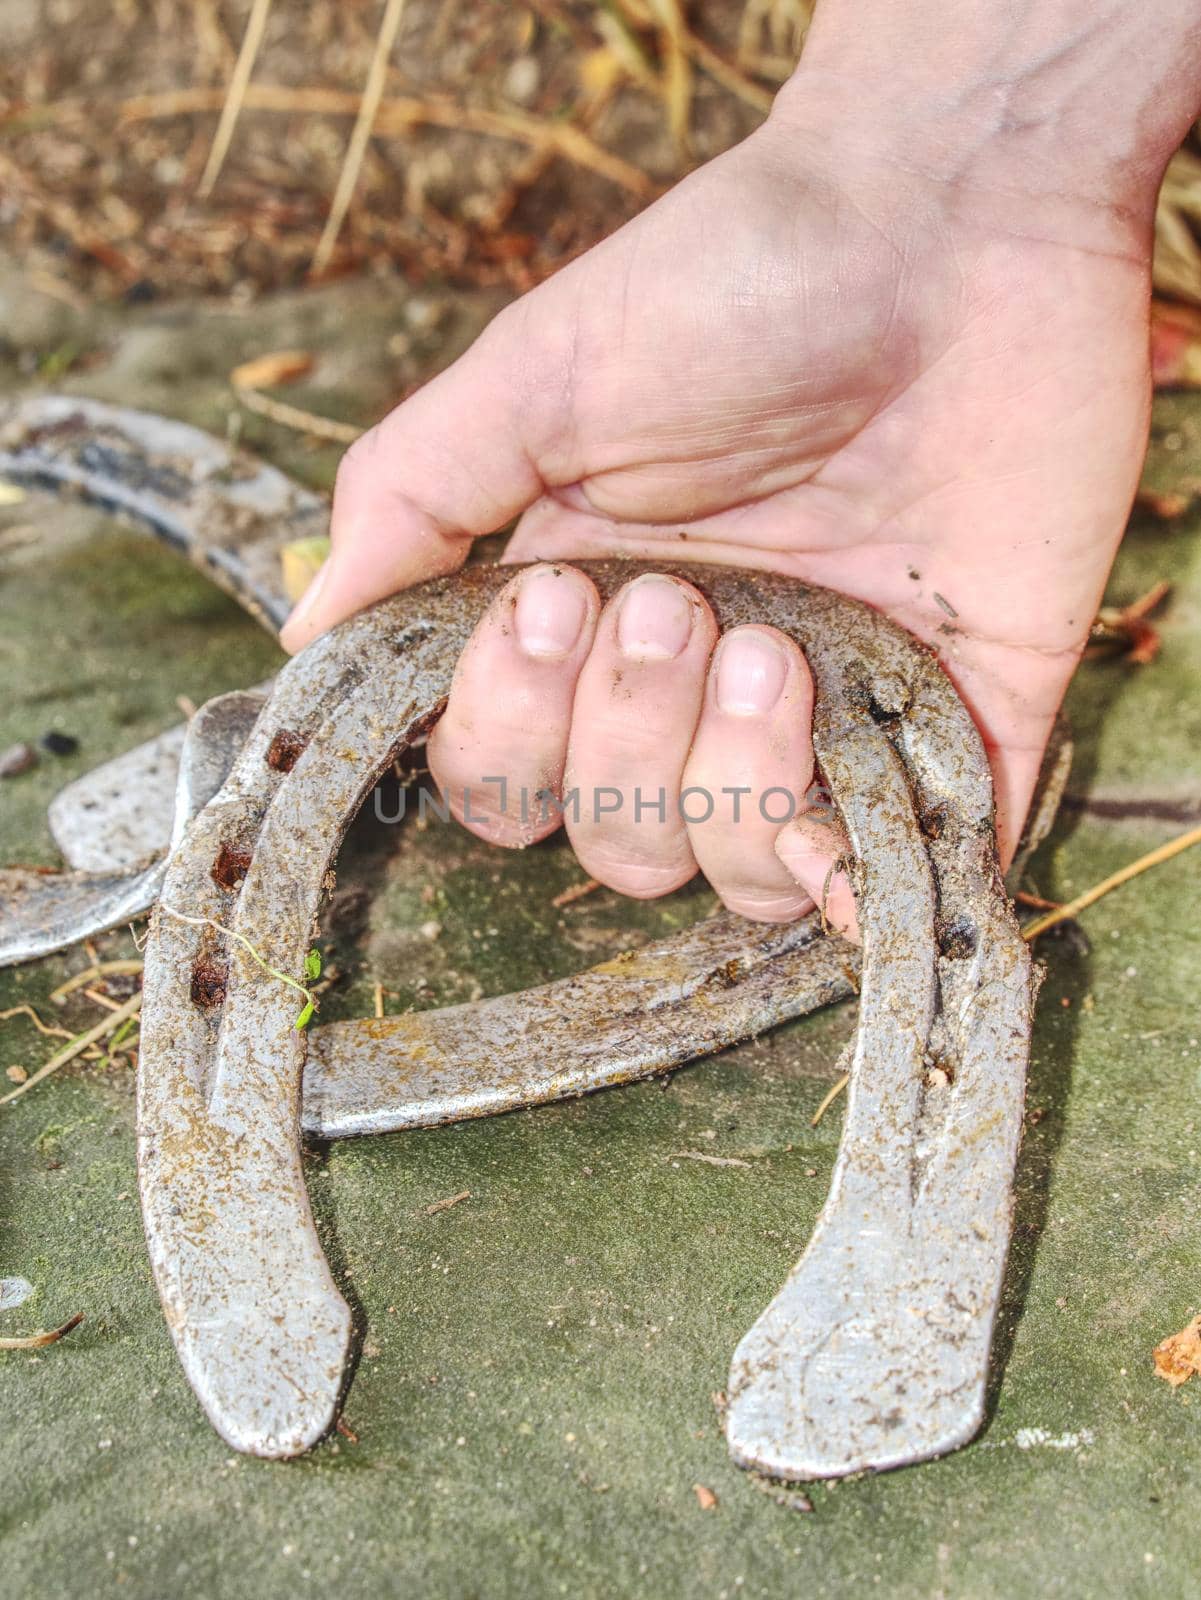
point(1063, 112)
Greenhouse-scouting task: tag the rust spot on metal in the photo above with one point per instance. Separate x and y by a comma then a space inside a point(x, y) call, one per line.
point(933, 822)
point(285, 750)
point(231, 866)
point(209, 978)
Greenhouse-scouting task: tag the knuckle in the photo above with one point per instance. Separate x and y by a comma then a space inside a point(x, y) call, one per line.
point(633, 875)
point(766, 906)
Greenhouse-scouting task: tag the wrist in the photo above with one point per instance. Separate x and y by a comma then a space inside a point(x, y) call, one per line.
point(1050, 118)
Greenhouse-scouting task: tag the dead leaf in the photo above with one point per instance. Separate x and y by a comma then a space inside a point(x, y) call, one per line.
point(16, 1074)
point(272, 371)
point(1165, 506)
point(705, 1498)
point(1178, 1357)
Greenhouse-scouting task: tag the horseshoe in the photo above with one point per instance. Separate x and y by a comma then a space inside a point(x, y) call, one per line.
point(875, 1350)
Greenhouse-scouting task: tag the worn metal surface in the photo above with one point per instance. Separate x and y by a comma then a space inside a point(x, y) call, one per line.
point(722, 981)
point(229, 514)
point(226, 511)
point(119, 814)
point(44, 911)
point(876, 1350)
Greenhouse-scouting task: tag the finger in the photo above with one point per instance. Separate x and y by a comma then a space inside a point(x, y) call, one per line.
point(443, 468)
point(635, 711)
point(750, 768)
point(815, 851)
point(502, 742)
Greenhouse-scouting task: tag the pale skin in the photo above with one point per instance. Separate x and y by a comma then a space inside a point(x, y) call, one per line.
point(894, 343)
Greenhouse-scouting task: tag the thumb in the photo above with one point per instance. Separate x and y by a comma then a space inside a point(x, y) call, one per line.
point(445, 467)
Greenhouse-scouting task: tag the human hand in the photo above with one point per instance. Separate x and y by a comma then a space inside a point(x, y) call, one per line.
point(819, 355)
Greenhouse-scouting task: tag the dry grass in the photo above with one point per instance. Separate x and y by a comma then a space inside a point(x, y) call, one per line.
point(143, 151)
point(1178, 226)
point(183, 146)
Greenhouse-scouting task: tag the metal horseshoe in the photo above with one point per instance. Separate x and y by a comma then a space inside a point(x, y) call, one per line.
point(875, 1351)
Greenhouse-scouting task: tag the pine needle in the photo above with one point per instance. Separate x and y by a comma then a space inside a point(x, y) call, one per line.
point(829, 1100)
point(36, 1341)
point(373, 93)
point(235, 96)
point(294, 417)
point(1134, 869)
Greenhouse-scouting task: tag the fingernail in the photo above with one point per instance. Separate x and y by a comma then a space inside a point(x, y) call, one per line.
point(751, 670)
point(550, 613)
point(304, 606)
point(654, 620)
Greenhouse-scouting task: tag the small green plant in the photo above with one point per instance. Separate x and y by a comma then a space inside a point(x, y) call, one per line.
point(312, 971)
point(312, 961)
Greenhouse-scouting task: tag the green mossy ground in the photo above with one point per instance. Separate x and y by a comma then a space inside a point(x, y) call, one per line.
point(534, 1398)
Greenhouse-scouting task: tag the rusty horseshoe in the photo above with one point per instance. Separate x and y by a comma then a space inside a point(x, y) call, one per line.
point(875, 1350)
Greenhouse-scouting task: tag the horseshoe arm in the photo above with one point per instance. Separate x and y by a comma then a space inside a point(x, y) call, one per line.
point(227, 512)
point(257, 1320)
point(48, 911)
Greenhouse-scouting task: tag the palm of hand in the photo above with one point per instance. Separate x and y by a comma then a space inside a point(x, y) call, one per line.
point(850, 379)
point(944, 424)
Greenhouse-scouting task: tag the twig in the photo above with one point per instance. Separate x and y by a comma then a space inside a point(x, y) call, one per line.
point(574, 892)
point(445, 1205)
point(35, 1341)
point(676, 80)
point(829, 1100)
point(47, 1028)
point(1153, 858)
point(104, 1000)
point(1036, 902)
point(373, 93)
point(235, 97)
point(293, 417)
point(68, 1053)
point(721, 71)
point(99, 969)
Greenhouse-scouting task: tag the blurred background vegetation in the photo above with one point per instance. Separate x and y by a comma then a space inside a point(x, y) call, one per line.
point(228, 147)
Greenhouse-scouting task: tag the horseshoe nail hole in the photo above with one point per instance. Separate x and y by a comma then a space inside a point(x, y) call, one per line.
point(957, 940)
point(933, 821)
point(209, 978)
point(231, 866)
point(881, 716)
point(285, 750)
